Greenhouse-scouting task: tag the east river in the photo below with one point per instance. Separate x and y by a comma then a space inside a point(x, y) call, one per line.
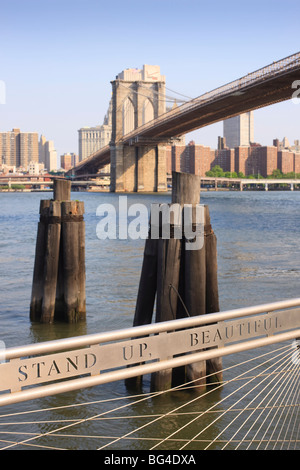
point(258, 262)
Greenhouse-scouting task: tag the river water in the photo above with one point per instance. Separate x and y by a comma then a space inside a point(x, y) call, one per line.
point(258, 262)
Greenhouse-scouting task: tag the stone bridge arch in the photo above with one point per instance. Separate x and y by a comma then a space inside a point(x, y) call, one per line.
point(138, 96)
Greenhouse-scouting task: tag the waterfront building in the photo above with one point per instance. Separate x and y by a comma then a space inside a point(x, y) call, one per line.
point(47, 154)
point(66, 161)
point(268, 160)
point(192, 158)
point(238, 131)
point(29, 148)
point(18, 148)
point(91, 139)
point(225, 158)
point(35, 168)
point(10, 148)
point(286, 161)
point(248, 160)
point(297, 162)
point(284, 145)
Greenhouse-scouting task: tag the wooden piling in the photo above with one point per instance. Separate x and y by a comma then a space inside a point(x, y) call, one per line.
point(51, 266)
point(73, 260)
point(186, 190)
point(147, 287)
point(213, 366)
point(185, 283)
point(194, 297)
point(37, 293)
point(168, 269)
point(61, 190)
point(58, 288)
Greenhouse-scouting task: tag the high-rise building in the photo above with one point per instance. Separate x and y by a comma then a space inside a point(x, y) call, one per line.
point(91, 139)
point(47, 154)
point(225, 158)
point(19, 148)
point(238, 131)
point(192, 158)
point(68, 160)
point(29, 148)
point(286, 161)
point(10, 148)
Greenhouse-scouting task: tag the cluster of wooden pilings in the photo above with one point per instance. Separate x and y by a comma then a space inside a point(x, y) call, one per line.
point(182, 282)
point(58, 288)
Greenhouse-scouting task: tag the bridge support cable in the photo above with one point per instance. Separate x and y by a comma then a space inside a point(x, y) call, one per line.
point(160, 96)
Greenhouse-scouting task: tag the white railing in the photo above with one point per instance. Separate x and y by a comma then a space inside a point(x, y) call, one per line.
point(104, 357)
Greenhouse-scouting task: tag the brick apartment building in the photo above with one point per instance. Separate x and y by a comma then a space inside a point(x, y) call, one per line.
point(249, 160)
point(191, 158)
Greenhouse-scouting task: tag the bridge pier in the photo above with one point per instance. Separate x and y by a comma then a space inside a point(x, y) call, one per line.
point(116, 168)
point(138, 169)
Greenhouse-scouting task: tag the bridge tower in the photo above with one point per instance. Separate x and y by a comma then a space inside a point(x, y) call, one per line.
point(138, 96)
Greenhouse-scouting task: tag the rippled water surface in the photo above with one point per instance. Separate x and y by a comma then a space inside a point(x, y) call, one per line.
point(258, 262)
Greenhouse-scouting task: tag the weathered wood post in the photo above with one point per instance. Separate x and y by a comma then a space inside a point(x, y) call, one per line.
point(58, 288)
point(186, 190)
point(213, 366)
point(168, 269)
point(73, 260)
point(199, 272)
point(184, 280)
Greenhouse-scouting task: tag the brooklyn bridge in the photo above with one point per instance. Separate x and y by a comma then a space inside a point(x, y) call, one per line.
point(142, 128)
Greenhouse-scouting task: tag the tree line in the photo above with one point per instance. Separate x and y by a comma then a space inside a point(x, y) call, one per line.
point(218, 172)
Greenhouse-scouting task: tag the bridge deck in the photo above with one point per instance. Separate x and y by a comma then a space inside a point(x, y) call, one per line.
point(266, 86)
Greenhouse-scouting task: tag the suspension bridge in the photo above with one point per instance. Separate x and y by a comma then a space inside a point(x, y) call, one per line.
point(254, 406)
point(137, 150)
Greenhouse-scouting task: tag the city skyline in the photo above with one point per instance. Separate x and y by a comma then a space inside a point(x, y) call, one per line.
point(65, 80)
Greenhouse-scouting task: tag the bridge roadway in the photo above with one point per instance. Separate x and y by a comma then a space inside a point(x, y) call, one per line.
point(33, 181)
point(266, 182)
point(241, 182)
point(266, 86)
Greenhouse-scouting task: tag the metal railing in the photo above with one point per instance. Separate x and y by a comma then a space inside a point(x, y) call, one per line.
point(105, 357)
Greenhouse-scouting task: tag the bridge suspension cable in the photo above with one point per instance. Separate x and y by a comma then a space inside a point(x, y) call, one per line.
point(161, 96)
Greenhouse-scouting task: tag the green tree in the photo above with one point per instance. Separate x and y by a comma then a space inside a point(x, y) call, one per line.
point(290, 175)
point(276, 174)
point(217, 171)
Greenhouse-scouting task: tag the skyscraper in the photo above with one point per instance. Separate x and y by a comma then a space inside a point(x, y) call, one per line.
point(47, 154)
point(19, 148)
point(10, 148)
point(238, 131)
point(91, 139)
point(29, 148)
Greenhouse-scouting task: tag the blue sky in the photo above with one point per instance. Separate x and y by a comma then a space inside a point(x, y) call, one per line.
point(58, 57)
